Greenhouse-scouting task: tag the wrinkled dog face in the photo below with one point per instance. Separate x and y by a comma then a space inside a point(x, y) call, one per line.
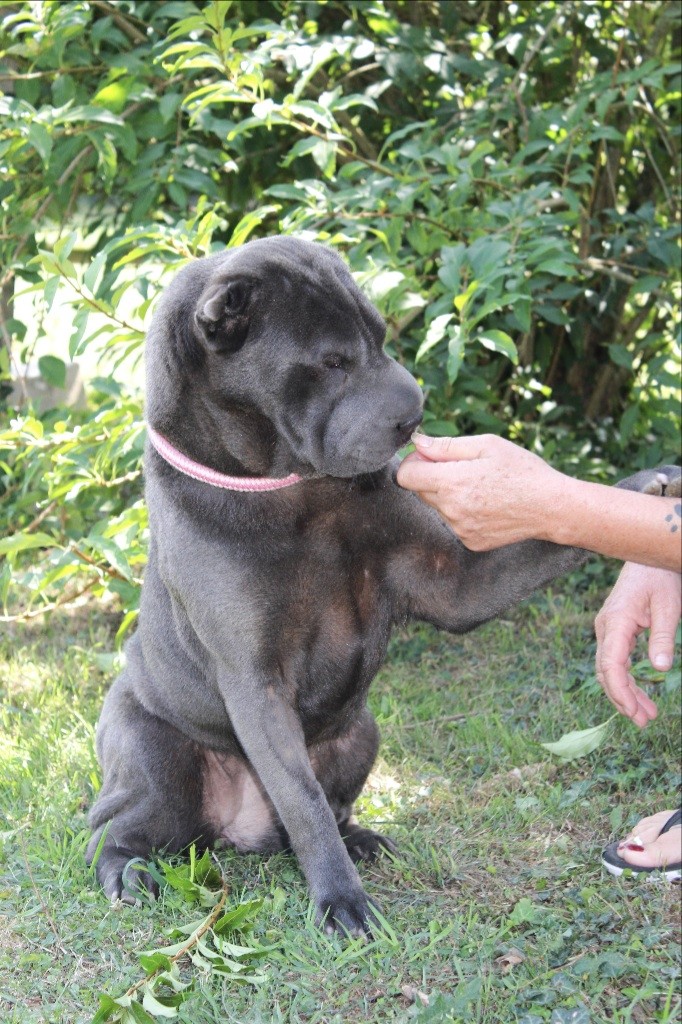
point(289, 335)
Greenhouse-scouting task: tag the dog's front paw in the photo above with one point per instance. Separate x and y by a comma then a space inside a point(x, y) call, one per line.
point(350, 912)
point(125, 877)
point(674, 486)
point(365, 845)
point(666, 480)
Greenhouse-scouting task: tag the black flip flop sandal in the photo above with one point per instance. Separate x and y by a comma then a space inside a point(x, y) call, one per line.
point(616, 865)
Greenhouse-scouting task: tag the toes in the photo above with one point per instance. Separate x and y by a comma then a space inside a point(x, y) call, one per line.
point(364, 845)
point(125, 878)
point(350, 913)
point(673, 484)
point(647, 847)
point(661, 853)
point(649, 828)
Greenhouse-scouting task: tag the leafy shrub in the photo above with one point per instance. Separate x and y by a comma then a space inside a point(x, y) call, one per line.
point(501, 178)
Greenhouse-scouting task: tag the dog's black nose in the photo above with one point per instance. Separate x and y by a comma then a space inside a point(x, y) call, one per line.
point(408, 426)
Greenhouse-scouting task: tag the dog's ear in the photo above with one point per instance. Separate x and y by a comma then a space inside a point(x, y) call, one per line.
point(222, 316)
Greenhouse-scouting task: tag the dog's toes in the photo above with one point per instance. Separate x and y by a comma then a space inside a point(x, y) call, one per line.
point(125, 878)
point(351, 913)
point(664, 480)
point(674, 488)
point(365, 845)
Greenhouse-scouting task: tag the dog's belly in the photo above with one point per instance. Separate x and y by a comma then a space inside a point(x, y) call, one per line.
point(235, 806)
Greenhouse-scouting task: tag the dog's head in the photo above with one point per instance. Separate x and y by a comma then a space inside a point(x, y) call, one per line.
point(276, 341)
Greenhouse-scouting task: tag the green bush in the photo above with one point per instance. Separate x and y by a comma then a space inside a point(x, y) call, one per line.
point(500, 176)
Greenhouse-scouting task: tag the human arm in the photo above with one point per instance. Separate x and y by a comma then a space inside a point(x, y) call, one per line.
point(643, 598)
point(493, 492)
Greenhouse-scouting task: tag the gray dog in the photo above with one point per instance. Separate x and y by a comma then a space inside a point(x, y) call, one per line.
point(282, 554)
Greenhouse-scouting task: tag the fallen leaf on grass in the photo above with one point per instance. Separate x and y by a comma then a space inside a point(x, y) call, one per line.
point(413, 995)
point(581, 742)
point(509, 960)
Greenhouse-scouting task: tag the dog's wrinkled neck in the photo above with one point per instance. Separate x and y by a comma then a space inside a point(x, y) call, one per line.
point(232, 440)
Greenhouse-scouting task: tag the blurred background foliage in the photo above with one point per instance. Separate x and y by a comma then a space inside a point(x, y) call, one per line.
point(502, 178)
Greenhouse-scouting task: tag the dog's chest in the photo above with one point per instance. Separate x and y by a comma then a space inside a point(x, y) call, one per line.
point(334, 639)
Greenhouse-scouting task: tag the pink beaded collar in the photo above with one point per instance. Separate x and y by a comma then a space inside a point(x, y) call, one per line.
point(211, 476)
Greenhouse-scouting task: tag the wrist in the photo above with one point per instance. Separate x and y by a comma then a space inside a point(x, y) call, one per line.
point(560, 511)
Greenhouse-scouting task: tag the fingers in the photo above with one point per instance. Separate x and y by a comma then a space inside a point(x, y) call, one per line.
point(665, 614)
point(418, 474)
point(616, 636)
point(661, 650)
point(433, 468)
point(646, 710)
point(642, 599)
point(454, 449)
point(621, 689)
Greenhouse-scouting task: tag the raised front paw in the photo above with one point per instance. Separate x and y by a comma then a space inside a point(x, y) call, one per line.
point(666, 480)
point(363, 844)
point(350, 912)
point(124, 877)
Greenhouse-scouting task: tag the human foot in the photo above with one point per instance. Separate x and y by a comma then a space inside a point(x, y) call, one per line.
point(655, 844)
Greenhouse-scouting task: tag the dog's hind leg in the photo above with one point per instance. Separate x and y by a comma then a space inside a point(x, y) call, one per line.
point(150, 798)
point(342, 766)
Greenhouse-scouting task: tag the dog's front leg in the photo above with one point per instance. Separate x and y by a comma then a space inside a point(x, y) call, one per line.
point(434, 577)
point(460, 593)
point(272, 738)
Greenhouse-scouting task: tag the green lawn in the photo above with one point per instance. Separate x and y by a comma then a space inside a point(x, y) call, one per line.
point(497, 909)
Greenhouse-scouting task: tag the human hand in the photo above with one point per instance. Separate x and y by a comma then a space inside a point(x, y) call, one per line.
point(490, 491)
point(643, 598)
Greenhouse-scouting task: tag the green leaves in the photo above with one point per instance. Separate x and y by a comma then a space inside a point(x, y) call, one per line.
point(123, 1010)
point(580, 743)
point(437, 330)
point(197, 881)
point(217, 944)
point(499, 341)
point(41, 140)
point(53, 370)
point(17, 542)
point(521, 242)
point(61, 479)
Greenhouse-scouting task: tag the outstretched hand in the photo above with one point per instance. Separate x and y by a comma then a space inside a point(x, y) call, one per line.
point(643, 598)
point(490, 491)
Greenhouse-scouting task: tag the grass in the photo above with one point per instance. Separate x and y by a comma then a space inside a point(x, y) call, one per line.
point(496, 909)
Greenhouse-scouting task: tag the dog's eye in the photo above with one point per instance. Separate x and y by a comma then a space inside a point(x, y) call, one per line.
point(335, 362)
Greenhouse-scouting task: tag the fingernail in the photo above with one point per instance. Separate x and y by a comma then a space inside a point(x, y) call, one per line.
point(423, 440)
point(662, 661)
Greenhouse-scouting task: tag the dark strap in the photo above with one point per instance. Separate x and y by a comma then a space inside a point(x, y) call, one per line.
point(674, 819)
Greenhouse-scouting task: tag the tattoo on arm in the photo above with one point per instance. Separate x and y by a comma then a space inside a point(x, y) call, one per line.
point(677, 511)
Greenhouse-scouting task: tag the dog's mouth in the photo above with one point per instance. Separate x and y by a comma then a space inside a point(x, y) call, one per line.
point(406, 430)
point(362, 461)
point(341, 455)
